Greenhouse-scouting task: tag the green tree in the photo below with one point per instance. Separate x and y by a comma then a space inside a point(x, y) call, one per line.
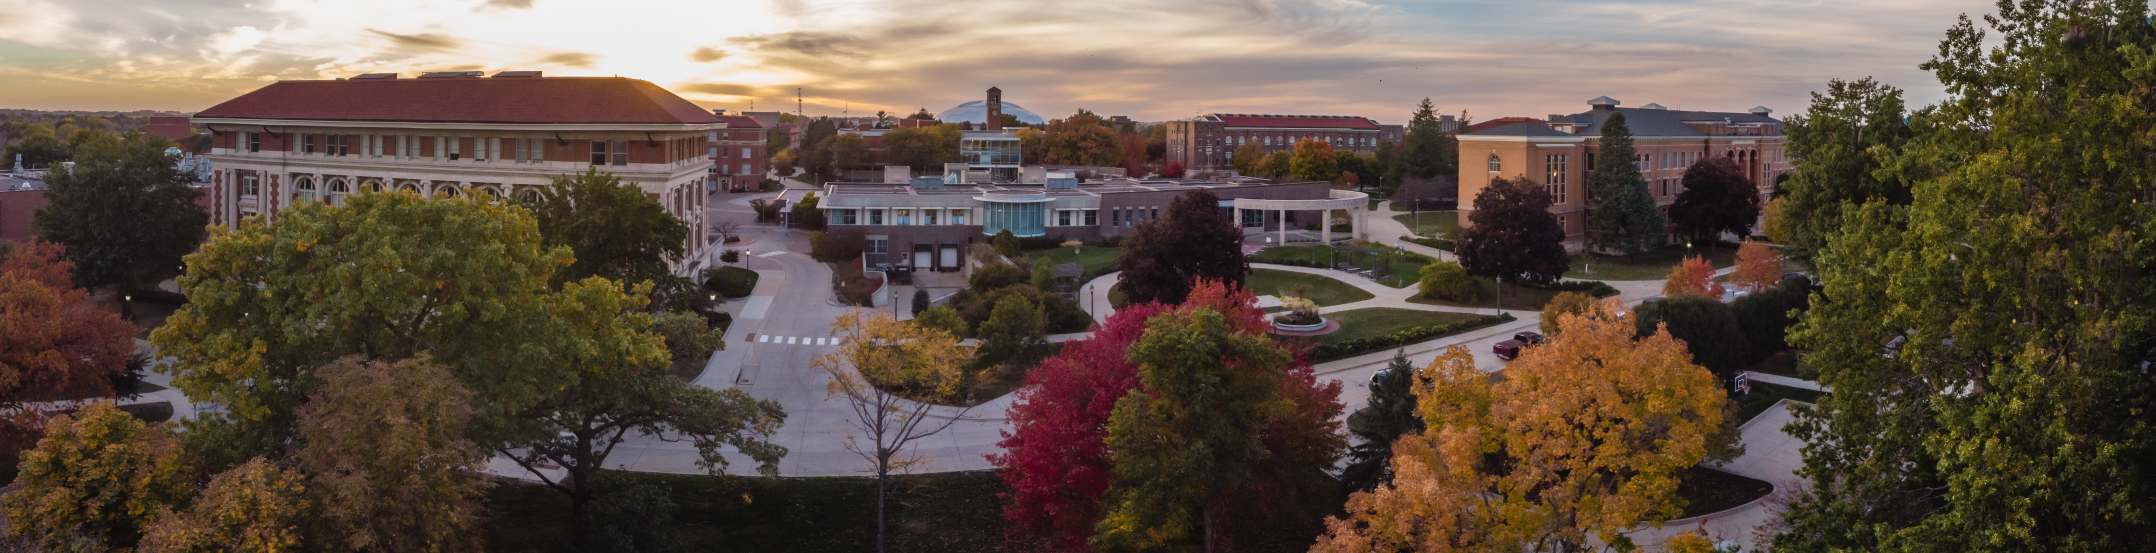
point(1247, 158)
point(1314, 161)
point(920, 301)
point(1006, 243)
point(847, 151)
point(390, 275)
point(99, 475)
point(1164, 259)
point(944, 318)
point(253, 508)
point(38, 148)
point(1766, 315)
point(1624, 219)
point(388, 463)
point(1014, 325)
point(613, 228)
point(1988, 343)
point(1277, 165)
point(1390, 414)
point(690, 339)
point(1445, 280)
point(1044, 277)
point(1082, 139)
point(1841, 143)
point(1183, 447)
point(1381, 166)
point(1350, 162)
point(124, 213)
point(1428, 152)
point(922, 148)
point(1706, 326)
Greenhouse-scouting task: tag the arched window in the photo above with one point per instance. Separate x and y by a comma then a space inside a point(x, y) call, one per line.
point(528, 196)
point(370, 186)
point(409, 187)
point(303, 190)
point(337, 192)
point(447, 191)
point(1495, 164)
point(489, 194)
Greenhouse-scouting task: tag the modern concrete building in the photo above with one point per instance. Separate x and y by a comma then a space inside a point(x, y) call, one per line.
point(1561, 151)
point(456, 134)
point(1207, 142)
point(927, 224)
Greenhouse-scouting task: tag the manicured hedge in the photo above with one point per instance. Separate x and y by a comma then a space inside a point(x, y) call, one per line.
point(1594, 288)
point(1376, 343)
point(732, 282)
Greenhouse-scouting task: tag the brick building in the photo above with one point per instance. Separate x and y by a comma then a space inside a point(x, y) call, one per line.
point(1560, 152)
point(1206, 142)
point(455, 134)
point(20, 198)
point(737, 154)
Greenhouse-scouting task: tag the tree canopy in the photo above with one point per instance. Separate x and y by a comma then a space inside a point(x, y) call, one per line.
point(922, 148)
point(1247, 158)
point(1166, 257)
point(1428, 152)
point(1511, 235)
point(1717, 198)
point(612, 228)
point(1841, 143)
point(1390, 414)
point(1624, 219)
point(125, 213)
point(1081, 139)
point(1314, 161)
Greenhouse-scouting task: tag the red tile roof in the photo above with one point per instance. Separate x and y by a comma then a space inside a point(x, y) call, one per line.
point(1297, 121)
point(529, 100)
point(741, 122)
point(1501, 121)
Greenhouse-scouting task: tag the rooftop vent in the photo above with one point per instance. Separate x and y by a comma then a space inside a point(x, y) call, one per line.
point(450, 74)
point(1603, 102)
point(376, 76)
point(1761, 111)
point(927, 182)
point(516, 74)
point(1062, 179)
point(1653, 106)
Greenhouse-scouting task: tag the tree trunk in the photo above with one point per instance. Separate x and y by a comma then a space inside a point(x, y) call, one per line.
point(881, 478)
point(579, 499)
point(1210, 508)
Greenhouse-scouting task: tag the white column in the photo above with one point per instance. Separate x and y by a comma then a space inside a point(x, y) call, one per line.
point(1283, 227)
point(1325, 228)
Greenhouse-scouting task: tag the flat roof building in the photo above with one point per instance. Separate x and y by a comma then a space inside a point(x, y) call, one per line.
point(1561, 151)
point(455, 134)
point(1207, 142)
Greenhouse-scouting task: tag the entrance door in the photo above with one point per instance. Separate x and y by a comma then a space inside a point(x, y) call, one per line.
point(921, 257)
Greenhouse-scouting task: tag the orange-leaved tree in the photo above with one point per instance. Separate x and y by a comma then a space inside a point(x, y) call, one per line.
point(54, 343)
point(1583, 440)
point(1759, 267)
point(1693, 277)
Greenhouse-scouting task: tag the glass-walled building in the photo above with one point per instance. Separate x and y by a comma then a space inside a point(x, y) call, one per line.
point(994, 152)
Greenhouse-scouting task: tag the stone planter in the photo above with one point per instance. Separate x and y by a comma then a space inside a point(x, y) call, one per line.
point(1320, 325)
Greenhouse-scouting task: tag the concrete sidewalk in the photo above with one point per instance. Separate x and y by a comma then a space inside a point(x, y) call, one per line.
point(1770, 454)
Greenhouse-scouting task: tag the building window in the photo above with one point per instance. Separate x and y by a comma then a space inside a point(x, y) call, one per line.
point(1063, 217)
point(250, 184)
point(1092, 217)
point(846, 217)
point(928, 216)
point(531, 150)
point(745, 169)
point(1554, 164)
point(254, 142)
point(337, 192)
point(875, 216)
point(904, 217)
point(598, 152)
point(301, 145)
point(726, 169)
point(1496, 164)
point(621, 152)
point(1115, 218)
point(303, 190)
point(879, 245)
point(1644, 163)
point(958, 216)
point(744, 153)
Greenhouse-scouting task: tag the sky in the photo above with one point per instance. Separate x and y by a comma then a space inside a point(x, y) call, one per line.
point(1150, 61)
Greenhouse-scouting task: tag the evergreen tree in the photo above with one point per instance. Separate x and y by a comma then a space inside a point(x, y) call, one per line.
point(1390, 414)
point(1838, 144)
point(1381, 164)
point(1429, 152)
point(920, 301)
point(1624, 219)
point(1988, 344)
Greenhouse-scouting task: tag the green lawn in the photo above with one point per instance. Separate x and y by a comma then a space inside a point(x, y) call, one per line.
point(1429, 224)
point(1516, 297)
point(1094, 260)
point(1765, 395)
point(1782, 364)
point(1654, 265)
point(955, 511)
point(1378, 321)
point(1324, 290)
point(1405, 268)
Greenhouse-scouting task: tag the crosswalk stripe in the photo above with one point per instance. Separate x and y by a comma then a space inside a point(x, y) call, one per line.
point(763, 338)
point(790, 339)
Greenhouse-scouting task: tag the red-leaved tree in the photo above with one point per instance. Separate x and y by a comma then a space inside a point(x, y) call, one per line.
point(1056, 460)
point(1173, 170)
point(53, 342)
point(1693, 277)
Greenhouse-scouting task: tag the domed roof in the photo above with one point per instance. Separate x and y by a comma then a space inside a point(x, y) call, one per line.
point(976, 112)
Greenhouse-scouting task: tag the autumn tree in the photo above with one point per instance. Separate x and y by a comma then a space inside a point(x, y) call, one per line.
point(1192, 241)
point(1567, 303)
point(99, 475)
point(54, 343)
point(1841, 144)
point(1314, 161)
point(1511, 235)
point(124, 212)
point(256, 507)
point(1351, 163)
point(922, 148)
point(1195, 436)
point(1173, 170)
point(613, 228)
point(1758, 267)
point(1624, 220)
point(1717, 198)
point(1390, 414)
point(1988, 343)
point(847, 151)
point(1692, 277)
point(1082, 139)
point(1247, 157)
point(877, 357)
point(388, 462)
point(1581, 441)
point(1276, 165)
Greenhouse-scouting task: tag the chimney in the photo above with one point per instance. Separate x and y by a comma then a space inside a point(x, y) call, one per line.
point(995, 109)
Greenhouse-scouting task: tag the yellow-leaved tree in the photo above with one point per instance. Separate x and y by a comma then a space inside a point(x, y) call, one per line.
point(882, 366)
point(1583, 440)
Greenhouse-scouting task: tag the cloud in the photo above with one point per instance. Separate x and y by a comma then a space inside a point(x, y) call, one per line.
point(728, 89)
point(707, 54)
point(510, 4)
point(423, 42)
point(571, 59)
point(804, 43)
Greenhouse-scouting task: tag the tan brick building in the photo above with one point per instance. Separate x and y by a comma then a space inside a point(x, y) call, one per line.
point(1560, 152)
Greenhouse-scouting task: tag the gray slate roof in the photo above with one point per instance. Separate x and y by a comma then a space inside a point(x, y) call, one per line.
point(1663, 122)
point(1522, 129)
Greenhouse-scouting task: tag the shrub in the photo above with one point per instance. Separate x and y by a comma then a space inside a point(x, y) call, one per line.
point(837, 245)
point(1006, 243)
point(1764, 316)
point(1105, 242)
point(730, 256)
point(1040, 242)
point(995, 276)
point(1593, 288)
point(920, 301)
point(851, 286)
point(1014, 324)
point(1707, 326)
point(978, 310)
point(1044, 277)
point(689, 337)
point(732, 282)
point(1402, 338)
point(943, 318)
point(1447, 281)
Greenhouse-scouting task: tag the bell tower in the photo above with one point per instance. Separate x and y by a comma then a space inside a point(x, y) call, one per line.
point(995, 109)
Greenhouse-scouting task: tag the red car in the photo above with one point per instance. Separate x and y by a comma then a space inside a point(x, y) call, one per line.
point(1510, 349)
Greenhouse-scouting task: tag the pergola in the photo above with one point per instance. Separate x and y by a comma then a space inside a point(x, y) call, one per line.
point(1357, 205)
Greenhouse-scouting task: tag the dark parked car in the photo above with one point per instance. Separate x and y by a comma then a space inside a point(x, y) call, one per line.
point(1510, 349)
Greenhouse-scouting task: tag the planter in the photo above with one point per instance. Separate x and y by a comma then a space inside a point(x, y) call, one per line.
point(1278, 325)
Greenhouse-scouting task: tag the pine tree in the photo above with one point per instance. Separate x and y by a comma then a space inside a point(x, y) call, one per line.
point(1624, 220)
point(1429, 152)
point(1390, 414)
